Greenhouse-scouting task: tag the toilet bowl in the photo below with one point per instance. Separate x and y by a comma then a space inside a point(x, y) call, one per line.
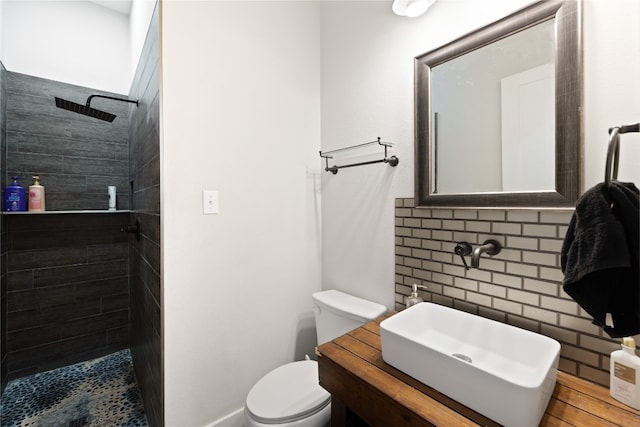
point(290, 395)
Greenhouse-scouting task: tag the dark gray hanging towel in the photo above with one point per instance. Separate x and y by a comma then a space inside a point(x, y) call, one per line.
point(599, 257)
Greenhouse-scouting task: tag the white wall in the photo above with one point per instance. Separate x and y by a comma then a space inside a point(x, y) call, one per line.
point(240, 114)
point(139, 18)
point(74, 42)
point(611, 85)
point(367, 91)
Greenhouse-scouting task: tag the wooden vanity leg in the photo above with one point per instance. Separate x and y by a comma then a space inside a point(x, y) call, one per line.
point(338, 413)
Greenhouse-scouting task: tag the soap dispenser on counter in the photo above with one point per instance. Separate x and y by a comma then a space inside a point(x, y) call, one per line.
point(415, 298)
point(625, 374)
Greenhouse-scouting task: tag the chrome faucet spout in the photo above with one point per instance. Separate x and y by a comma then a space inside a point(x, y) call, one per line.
point(489, 247)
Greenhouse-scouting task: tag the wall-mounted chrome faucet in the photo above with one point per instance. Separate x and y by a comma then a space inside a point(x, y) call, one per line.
point(489, 247)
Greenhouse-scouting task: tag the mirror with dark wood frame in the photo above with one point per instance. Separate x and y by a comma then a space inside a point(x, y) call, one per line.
point(561, 20)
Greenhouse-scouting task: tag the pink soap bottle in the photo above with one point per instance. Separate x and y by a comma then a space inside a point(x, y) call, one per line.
point(36, 196)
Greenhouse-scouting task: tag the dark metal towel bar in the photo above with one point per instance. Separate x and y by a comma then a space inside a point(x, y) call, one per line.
point(613, 151)
point(393, 160)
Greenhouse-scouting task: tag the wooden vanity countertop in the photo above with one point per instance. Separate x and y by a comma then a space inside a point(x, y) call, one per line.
point(352, 370)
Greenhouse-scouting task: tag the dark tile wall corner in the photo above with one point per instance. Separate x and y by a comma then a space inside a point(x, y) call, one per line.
point(3, 251)
point(521, 286)
point(144, 172)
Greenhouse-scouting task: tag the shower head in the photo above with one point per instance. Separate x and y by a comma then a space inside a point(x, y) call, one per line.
point(87, 110)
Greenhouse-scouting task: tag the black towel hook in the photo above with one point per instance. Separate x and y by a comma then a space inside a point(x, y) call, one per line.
point(613, 152)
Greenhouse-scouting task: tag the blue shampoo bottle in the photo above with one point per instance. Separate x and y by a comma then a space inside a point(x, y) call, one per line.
point(14, 197)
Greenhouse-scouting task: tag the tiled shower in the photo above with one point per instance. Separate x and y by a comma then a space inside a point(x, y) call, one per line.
point(74, 286)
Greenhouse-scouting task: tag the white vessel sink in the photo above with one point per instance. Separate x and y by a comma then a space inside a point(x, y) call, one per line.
point(503, 372)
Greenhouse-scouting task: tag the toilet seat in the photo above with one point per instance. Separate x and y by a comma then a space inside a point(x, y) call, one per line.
point(288, 393)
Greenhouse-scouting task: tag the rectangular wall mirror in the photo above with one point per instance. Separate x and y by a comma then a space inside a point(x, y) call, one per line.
point(498, 113)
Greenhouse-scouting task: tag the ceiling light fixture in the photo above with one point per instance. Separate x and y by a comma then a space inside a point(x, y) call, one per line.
point(411, 8)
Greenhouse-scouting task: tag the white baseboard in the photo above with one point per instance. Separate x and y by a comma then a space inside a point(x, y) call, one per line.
point(234, 419)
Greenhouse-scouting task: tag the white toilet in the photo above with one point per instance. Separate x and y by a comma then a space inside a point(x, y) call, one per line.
point(290, 395)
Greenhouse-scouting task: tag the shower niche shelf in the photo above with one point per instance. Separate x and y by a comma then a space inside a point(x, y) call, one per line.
point(89, 211)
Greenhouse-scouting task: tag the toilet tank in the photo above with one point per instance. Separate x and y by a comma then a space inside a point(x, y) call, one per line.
point(338, 313)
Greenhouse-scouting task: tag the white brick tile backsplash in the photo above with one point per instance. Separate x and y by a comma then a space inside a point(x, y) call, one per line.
point(443, 279)
point(507, 306)
point(521, 243)
point(476, 274)
point(598, 344)
point(584, 356)
point(490, 215)
point(492, 264)
point(435, 245)
point(506, 280)
point(560, 305)
point(452, 292)
point(522, 269)
point(442, 235)
point(421, 233)
point(469, 285)
point(522, 216)
point(403, 231)
point(479, 226)
point(442, 213)
point(538, 230)
point(545, 316)
point(453, 270)
point(494, 290)
point(534, 285)
point(560, 334)
point(453, 225)
point(523, 297)
point(555, 217)
point(522, 285)
point(412, 222)
point(578, 324)
point(442, 257)
point(554, 274)
point(432, 265)
point(540, 258)
point(594, 375)
point(435, 224)
point(479, 299)
point(506, 228)
point(465, 214)
point(421, 213)
point(551, 245)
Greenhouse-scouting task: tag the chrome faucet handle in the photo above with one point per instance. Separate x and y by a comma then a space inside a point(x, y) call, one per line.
point(463, 249)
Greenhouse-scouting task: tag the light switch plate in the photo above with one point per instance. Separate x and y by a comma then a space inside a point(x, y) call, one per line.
point(210, 202)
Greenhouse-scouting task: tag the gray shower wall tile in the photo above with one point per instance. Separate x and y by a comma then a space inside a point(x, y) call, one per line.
point(21, 142)
point(70, 273)
point(74, 155)
point(522, 285)
point(48, 257)
point(100, 167)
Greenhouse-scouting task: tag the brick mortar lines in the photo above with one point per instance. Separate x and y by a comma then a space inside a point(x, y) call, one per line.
point(427, 258)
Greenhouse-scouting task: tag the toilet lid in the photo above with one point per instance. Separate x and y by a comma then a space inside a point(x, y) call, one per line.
point(288, 393)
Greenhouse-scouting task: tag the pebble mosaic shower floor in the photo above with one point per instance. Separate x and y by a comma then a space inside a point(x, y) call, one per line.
point(99, 392)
